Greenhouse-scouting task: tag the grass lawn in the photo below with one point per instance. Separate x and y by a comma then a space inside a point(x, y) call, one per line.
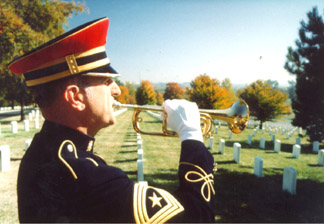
point(240, 195)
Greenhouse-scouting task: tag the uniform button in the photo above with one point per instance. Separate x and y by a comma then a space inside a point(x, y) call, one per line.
point(70, 148)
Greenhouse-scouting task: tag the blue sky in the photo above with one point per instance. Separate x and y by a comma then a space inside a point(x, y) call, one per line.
point(177, 40)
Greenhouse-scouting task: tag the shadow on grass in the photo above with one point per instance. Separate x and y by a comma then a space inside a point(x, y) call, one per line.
point(269, 146)
point(243, 197)
point(128, 151)
point(125, 161)
point(166, 179)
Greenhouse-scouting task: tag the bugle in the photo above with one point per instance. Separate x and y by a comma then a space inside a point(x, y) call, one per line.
point(237, 117)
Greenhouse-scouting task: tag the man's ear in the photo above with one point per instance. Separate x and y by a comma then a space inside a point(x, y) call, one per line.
point(75, 97)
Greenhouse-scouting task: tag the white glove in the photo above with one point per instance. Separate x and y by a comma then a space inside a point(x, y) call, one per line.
point(184, 118)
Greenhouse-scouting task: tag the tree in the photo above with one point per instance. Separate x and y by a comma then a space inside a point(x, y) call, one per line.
point(306, 62)
point(24, 25)
point(173, 91)
point(208, 93)
point(265, 102)
point(145, 93)
point(159, 98)
point(226, 83)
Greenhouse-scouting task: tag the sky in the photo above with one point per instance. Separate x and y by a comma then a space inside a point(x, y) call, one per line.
point(177, 40)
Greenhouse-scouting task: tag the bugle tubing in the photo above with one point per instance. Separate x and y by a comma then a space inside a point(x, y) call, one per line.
point(237, 117)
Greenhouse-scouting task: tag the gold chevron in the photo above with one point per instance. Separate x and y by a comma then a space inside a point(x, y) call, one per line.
point(172, 207)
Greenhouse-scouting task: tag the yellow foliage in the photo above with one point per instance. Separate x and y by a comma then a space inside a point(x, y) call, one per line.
point(208, 93)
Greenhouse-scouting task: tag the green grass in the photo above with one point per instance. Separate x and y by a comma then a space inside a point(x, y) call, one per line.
point(240, 195)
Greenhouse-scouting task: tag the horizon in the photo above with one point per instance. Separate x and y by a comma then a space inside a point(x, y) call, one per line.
point(177, 40)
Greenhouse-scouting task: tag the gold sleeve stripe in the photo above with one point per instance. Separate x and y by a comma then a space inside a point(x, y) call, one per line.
point(203, 176)
point(172, 207)
point(63, 160)
point(93, 161)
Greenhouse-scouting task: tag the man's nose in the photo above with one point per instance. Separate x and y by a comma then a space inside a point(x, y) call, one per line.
point(115, 90)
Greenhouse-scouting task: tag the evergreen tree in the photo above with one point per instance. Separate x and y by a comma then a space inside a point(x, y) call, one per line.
point(306, 62)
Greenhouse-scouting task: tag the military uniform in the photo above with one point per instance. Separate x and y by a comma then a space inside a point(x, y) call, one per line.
point(61, 179)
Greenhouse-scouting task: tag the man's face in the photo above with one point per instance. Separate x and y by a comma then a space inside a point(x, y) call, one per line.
point(99, 100)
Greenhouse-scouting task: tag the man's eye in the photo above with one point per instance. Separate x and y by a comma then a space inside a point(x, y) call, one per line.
point(108, 81)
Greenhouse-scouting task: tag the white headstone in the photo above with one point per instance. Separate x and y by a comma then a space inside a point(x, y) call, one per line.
point(249, 141)
point(222, 146)
point(14, 127)
point(4, 158)
point(210, 142)
point(36, 123)
point(277, 146)
point(237, 152)
point(138, 136)
point(321, 157)
point(230, 135)
point(315, 146)
point(139, 144)
point(296, 151)
point(26, 125)
point(30, 116)
point(140, 170)
point(254, 132)
point(27, 143)
point(289, 180)
point(273, 137)
point(216, 130)
point(298, 141)
point(258, 166)
point(262, 143)
point(140, 154)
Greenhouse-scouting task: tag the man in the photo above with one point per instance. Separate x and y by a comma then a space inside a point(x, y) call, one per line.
point(61, 179)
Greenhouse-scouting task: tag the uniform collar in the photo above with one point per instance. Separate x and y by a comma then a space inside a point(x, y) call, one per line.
point(60, 133)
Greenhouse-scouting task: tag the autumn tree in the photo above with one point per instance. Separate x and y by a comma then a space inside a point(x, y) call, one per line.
point(265, 102)
point(159, 98)
point(145, 93)
point(124, 94)
point(173, 91)
point(208, 93)
point(226, 83)
point(24, 25)
point(306, 62)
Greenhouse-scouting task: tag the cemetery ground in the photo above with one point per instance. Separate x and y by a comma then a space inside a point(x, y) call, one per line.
point(240, 195)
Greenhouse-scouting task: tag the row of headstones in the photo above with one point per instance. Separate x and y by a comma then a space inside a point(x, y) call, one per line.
point(31, 115)
point(272, 132)
point(277, 144)
point(140, 160)
point(296, 150)
point(289, 175)
point(14, 126)
point(5, 149)
point(15, 108)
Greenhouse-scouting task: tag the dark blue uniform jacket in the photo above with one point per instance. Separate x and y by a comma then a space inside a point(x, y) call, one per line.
point(61, 180)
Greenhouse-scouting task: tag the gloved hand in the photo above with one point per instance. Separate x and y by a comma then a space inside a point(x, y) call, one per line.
point(184, 118)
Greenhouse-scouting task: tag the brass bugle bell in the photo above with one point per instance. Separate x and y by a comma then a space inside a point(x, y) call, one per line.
point(237, 117)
